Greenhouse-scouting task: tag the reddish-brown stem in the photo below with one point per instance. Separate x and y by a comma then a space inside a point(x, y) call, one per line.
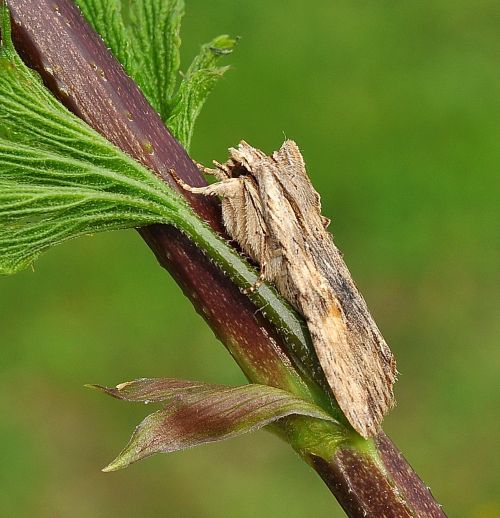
point(77, 67)
point(364, 488)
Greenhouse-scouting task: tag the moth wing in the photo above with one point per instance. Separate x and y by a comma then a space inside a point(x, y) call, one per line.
point(295, 181)
point(357, 362)
point(357, 382)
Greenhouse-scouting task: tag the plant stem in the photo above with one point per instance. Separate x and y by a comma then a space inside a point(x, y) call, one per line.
point(369, 478)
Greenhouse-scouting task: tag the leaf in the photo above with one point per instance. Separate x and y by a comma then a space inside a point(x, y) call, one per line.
point(106, 18)
point(155, 40)
point(197, 84)
point(145, 37)
point(59, 179)
point(198, 413)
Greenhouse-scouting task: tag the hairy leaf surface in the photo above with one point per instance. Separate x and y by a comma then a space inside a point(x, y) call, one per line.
point(59, 179)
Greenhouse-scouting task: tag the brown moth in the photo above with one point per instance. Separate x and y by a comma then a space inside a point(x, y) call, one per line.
point(271, 209)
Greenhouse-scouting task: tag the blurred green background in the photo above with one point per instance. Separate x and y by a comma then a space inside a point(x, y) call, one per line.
point(396, 108)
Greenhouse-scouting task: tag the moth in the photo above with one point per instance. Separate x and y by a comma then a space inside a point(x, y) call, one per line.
point(271, 209)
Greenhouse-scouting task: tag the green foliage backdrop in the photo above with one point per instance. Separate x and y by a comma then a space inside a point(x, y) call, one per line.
point(397, 111)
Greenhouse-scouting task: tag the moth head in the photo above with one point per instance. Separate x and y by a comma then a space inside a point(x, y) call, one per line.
point(246, 157)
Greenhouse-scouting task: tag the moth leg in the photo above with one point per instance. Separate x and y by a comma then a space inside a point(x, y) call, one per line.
point(263, 269)
point(228, 187)
point(258, 283)
point(181, 183)
point(220, 172)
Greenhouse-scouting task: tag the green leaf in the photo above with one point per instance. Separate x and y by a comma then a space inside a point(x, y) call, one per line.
point(197, 84)
point(198, 413)
point(145, 37)
point(59, 179)
point(106, 18)
point(155, 40)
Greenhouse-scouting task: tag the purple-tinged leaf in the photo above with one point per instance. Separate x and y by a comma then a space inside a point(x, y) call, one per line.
point(199, 413)
point(155, 390)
